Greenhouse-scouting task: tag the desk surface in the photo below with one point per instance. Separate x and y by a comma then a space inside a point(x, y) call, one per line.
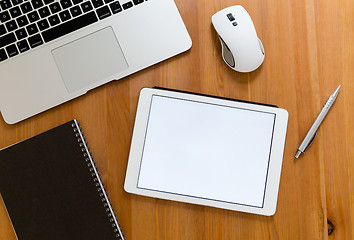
point(309, 52)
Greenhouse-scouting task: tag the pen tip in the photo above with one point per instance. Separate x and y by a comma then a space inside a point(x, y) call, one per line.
point(297, 155)
point(336, 91)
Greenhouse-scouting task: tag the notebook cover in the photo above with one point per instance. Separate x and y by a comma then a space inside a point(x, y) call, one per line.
point(51, 192)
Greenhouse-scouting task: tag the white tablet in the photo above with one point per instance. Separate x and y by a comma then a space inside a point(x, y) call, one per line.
point(207, 150)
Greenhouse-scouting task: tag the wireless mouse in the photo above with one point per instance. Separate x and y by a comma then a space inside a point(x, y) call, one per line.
point(241, 48)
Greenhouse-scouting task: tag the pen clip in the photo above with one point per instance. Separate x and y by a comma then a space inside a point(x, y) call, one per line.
point(311, 141)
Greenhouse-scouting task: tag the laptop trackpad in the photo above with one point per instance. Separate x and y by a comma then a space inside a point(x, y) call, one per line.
point(89, 59)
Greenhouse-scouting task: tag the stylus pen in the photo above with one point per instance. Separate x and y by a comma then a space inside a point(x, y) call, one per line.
point(313, 130)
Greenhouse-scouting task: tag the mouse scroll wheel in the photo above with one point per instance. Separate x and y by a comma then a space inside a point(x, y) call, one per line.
point(230, 17)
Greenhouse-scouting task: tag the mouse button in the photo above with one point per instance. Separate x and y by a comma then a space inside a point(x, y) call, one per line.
point(246, 22)
point(246, 27)
point(226, 54)
point(261, 46)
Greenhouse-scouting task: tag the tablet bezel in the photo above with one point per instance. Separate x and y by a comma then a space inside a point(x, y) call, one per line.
point(275, 162)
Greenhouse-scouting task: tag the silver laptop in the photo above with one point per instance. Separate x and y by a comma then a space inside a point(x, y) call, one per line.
point(52, 51)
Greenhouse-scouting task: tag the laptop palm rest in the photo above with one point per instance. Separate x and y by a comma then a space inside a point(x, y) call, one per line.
point(87, 60)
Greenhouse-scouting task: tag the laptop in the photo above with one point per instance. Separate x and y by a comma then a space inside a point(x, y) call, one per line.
point(52, 51)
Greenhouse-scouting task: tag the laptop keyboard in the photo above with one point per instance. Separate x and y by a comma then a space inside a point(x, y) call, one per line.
point(27, 24)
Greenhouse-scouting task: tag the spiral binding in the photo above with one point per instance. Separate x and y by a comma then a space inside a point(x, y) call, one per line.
point(97, 180)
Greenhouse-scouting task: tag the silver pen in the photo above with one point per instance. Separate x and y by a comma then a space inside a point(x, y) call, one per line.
point(313, 130)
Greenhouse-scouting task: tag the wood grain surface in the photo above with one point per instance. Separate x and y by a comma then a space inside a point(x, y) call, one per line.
point(309, 52)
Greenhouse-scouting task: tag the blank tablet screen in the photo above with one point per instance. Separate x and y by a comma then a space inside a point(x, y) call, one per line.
point(206, 151)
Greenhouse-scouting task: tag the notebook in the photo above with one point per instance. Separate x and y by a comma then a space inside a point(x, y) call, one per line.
point(52, 190)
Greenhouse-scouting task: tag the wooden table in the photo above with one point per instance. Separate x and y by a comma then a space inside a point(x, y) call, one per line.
point(309, 52)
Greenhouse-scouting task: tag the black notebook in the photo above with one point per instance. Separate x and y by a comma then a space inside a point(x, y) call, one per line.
point(52, 190)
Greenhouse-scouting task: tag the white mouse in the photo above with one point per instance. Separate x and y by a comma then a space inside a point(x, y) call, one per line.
point(241, 48)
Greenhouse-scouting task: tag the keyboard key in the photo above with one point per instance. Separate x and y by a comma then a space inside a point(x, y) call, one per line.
point(11, 25)
point(2, 30)
point(127, 5)
point(35, 41)
point(44, 12)
point(3, 55)
point(37, 4)
point(108, 1)
point(55, 7)
point(7, 39)
point(65, 4)
point(22, 21)
point(5, 4)
point(15, 12)
point(23, 46)
point(16, 2)
point(69, 26)
point(103, 12)
point(33, 16)
point(43, 24)
point(46, 2)
point(21, 33)
point(86, 6)
point(136, 2)
point(54, 20)
point(115, 7)
point(26, 7)
point(4, 16)
point(32, 29)
point(12, 50)
point(97, 3)
point(75, 11)
point(65, 15)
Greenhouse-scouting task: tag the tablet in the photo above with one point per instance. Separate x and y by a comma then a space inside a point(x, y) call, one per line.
point(207, 150)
